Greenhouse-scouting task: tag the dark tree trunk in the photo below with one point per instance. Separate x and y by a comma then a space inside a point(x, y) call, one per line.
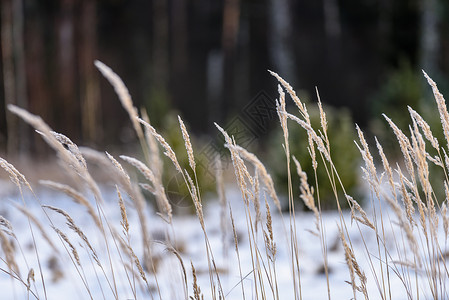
point(9, 75)
point(180, 34)
point(37, 75)
point(231, 24)
point(332, 24)
point(13, 58)
point(280, 39)
point(89, 85)
point(160, 64)
point(430, 39)
point(20, 71)
point(68, 110)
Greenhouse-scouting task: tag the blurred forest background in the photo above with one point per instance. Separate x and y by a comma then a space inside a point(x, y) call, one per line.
point(208, 59)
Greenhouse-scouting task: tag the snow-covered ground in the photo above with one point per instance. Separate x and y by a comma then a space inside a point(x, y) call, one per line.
point(63, 281)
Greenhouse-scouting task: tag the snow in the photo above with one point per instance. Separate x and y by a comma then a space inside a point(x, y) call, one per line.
point(186, 230)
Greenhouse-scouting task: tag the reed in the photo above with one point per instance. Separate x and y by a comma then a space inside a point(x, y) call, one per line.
point(404, 215)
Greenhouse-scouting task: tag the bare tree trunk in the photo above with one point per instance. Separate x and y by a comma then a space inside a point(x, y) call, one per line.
point(281, 39)
point(9, 74)
point(180, 34)
point(231, 24)
point(90, 92)
point(332, 29)
point(37, 76)
point(160, 63)
point(68, 110)
point(384, 25)
point(430, 39)
point(20, 70)
point(180, 75)
point(332, 19)
point(214, 77)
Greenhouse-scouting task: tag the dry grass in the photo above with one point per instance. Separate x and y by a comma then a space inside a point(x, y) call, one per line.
point(403, 214)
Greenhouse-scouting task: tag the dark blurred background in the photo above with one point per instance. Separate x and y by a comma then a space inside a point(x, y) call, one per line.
point(208, 59)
